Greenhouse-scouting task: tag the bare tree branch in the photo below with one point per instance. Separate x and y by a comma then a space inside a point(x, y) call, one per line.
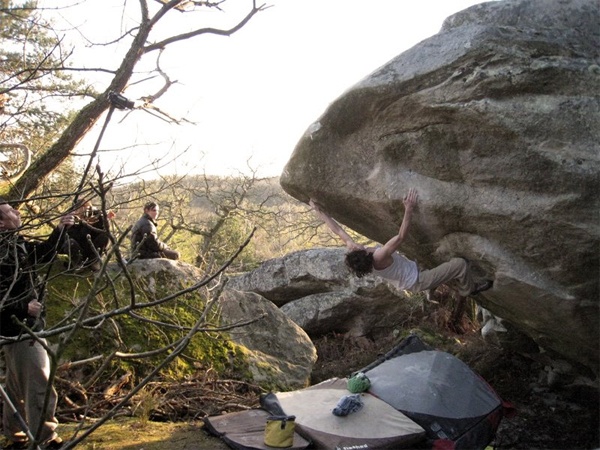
point(91, 113)
point(162, 44)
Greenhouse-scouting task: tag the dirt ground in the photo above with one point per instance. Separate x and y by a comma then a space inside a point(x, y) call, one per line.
point(129, 434)
point(556, 419)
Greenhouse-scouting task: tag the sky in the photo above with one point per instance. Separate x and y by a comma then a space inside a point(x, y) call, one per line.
point(248, 97)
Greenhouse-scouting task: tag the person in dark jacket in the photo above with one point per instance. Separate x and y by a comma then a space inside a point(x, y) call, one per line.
point(144, 237)
point(27, 362)
point(85, 253)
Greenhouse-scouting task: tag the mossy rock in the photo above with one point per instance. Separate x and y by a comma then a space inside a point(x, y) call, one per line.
point(72, 297)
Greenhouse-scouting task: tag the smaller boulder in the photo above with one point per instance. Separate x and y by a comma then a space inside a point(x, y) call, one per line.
point(314, 288)
point(280, 353)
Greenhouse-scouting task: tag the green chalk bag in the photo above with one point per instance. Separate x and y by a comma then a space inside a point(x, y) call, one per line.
point(358, 382)
point(279, 431)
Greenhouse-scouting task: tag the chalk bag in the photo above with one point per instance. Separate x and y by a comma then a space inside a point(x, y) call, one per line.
point(358, 382)
point(279, 431)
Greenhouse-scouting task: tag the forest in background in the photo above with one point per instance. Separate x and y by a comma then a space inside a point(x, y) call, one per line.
point(205, 218)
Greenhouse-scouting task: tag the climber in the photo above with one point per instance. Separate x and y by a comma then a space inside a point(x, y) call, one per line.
point(385, 262)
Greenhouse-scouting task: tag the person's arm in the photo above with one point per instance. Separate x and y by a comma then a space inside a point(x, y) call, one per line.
point(335, 227)
point(44, 251)
point(393, 244)
point(150, 238)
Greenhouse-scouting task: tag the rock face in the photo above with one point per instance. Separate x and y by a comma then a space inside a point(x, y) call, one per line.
point(316, 291)
point(496, 122)
point(278, 349)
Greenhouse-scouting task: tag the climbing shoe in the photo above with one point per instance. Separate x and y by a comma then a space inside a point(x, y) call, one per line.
point(482, 286)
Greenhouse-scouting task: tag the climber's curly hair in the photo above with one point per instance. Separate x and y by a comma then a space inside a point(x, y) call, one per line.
point(360, 262)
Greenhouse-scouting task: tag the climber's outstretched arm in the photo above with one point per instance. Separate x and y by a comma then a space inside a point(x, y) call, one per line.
point(335, 227)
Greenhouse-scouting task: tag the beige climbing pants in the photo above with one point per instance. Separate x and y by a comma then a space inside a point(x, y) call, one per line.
point(456, 269)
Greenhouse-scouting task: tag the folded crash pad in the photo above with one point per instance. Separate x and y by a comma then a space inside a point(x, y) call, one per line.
point(245, 430)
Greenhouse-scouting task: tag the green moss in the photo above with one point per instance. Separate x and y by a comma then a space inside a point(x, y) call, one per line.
point(143, 331)
point(431, 337)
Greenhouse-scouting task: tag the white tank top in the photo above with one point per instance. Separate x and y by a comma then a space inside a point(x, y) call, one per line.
point(403, 272)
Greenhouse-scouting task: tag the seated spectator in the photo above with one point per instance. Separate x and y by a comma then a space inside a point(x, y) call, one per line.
point(84, 252)
point(144, 237)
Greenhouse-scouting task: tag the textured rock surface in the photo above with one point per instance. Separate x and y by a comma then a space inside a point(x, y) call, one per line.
point(296, 275)
point(280, 352)
point(317, 292)
point(496, 121)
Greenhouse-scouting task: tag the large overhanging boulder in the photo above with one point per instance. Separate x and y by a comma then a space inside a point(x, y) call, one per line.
point(495, 120)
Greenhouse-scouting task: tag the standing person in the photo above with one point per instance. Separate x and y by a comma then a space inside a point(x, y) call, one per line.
point(85, 253)
point(144, 237)
point(27, 362)
point(385, 261)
